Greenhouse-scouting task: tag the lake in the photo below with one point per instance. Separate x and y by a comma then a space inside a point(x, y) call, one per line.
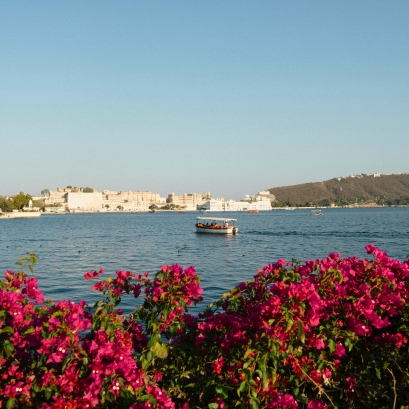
point(70, 245)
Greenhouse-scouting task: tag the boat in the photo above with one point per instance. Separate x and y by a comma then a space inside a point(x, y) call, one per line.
point(19, 215)
point(152, 211)
point(216, 225)
point(253, 211)
point(316, 213)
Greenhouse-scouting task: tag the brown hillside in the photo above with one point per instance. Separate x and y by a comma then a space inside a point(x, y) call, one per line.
point(386, 189)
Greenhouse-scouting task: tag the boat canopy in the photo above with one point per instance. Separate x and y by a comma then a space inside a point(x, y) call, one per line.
point(216, 219)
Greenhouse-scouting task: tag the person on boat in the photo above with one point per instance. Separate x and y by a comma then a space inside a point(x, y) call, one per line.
point(226, 224)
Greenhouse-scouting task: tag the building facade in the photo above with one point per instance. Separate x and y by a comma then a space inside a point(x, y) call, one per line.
point(189, 201)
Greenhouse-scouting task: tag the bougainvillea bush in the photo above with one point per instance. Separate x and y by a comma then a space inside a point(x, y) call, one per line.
point(329, 333)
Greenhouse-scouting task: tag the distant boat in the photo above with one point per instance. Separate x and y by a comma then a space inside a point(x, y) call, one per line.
point(134, 212)
point(181, 211)
point(316, 213)
point(152, 211)
point(253, 211)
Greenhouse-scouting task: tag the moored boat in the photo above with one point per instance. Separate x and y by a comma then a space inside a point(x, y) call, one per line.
point(216, 225)
point(316, 213)
point(253, 211)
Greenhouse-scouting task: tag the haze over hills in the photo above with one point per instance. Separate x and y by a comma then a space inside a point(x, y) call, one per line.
point(362, 189)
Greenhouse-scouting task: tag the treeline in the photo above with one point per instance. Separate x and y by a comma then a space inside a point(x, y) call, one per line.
point(17, 202)
point(386, 190)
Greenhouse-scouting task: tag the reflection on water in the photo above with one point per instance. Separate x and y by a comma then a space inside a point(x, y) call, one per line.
point(70, 245)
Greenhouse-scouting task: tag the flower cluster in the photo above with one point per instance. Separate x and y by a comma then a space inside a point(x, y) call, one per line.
point(314, 335)
point(326, 333)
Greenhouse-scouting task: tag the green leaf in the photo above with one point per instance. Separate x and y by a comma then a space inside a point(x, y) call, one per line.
point(242, 387)
point(153, 341)
point(253, 403)
point(378, 373)
point(160, 350)
point(332, 345)
point(290, 323)
point(8, 347)
point(10, 403)
point(213, 405)
point(6, 329)
point(222, 391)
point(248, 352)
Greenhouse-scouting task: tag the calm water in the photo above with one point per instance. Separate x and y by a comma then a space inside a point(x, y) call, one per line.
point(70, 245)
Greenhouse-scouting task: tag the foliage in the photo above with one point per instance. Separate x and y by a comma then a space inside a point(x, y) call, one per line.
point(383, 190)
point(45, 192)
point(88, 190)
point(14, 203)
point(6, 204)
point(326, 333)
point(170, 206)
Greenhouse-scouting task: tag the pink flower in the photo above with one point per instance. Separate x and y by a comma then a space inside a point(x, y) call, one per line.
point(339, 350)
point(317, 404)
point(218, 365)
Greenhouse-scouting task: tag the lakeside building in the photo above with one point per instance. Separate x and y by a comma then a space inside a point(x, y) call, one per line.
point(260, 196)
point(91, 202)
point(189, 201)
point(233, 206)
point(78, 200)
point(261, 201)
point(128, 200)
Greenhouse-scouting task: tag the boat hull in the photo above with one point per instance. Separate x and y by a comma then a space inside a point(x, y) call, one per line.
point(222, 230)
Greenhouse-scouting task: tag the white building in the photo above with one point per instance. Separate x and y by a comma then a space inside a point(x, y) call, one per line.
point(84, 201)
point(233, 206)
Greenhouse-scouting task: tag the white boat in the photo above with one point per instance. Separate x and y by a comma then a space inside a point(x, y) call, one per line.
point(19, 215)
point(316, 213)
point(216, 225)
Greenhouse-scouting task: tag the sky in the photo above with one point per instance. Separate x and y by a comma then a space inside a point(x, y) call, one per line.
point(231, 97)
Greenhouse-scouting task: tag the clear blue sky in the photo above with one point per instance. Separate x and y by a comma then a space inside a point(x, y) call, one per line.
point(229, 97)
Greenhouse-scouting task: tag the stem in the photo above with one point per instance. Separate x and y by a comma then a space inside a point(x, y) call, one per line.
point(394, 388)
point(319, 387)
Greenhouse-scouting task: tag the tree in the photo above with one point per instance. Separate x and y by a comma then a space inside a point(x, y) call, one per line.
point(88, 190)
point(6, 204)
point(45, 192)
point(153, 207)
point(324, 202)
point(20, 200)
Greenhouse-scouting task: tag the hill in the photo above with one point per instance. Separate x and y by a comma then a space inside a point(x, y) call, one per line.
point(362, 189)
